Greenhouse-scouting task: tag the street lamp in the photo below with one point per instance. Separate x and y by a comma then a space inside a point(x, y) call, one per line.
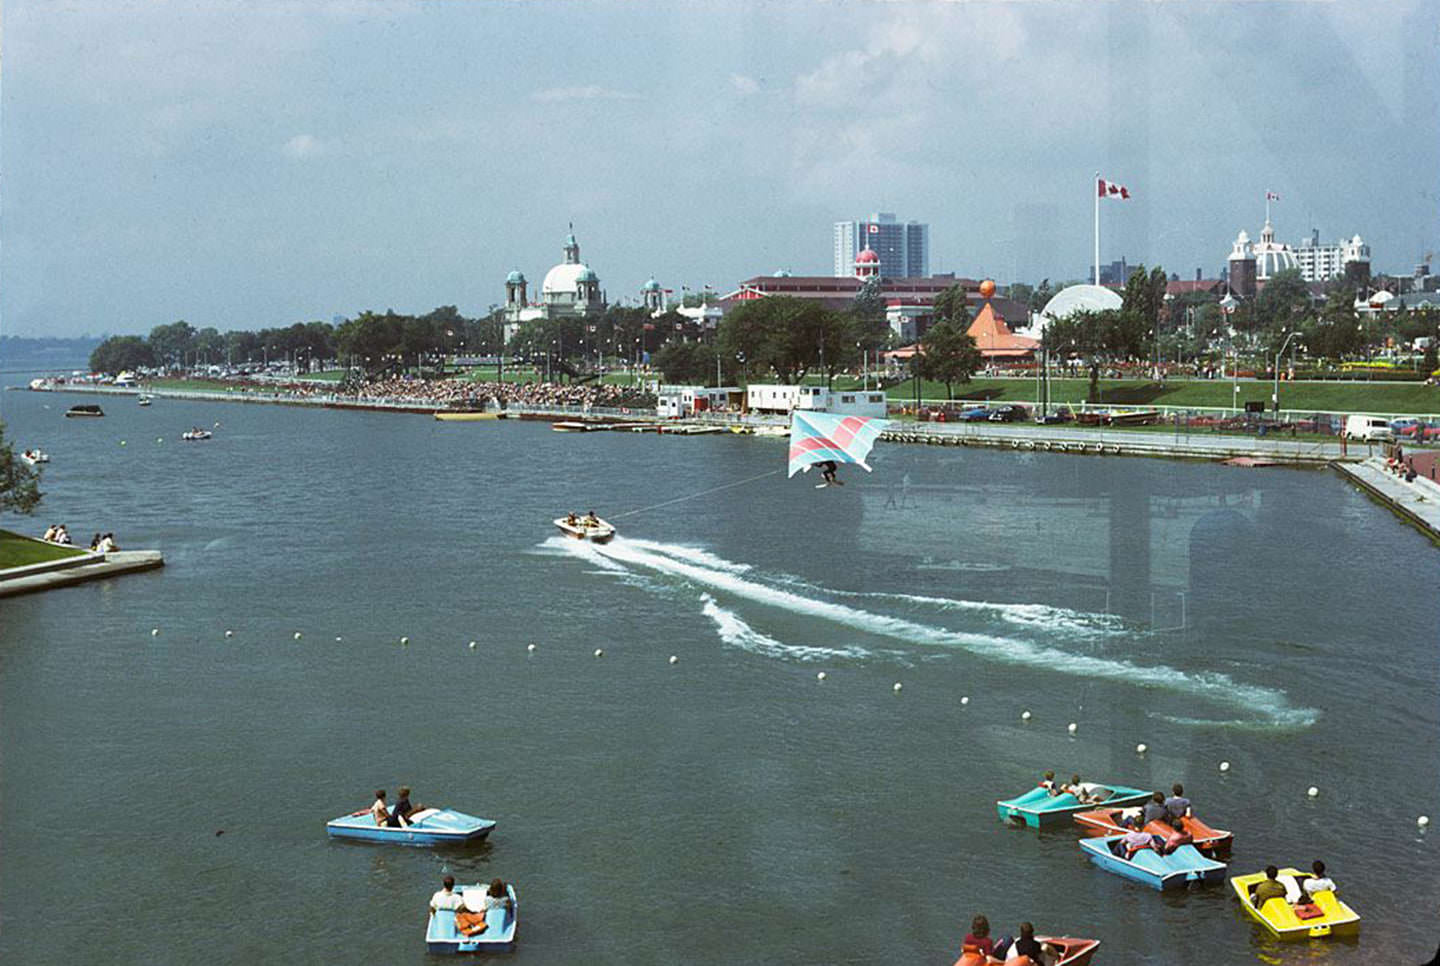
point(1275, 397)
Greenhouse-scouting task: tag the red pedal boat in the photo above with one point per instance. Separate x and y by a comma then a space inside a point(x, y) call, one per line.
point(1073, 952)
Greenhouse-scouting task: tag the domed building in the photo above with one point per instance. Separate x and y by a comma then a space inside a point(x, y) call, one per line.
point(867, 264)
point(569, 290)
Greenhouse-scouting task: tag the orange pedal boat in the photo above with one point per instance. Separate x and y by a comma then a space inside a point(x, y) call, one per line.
point(1073, 952)
point(1213, 842)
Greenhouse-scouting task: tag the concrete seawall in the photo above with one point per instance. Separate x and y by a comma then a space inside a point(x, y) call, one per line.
point(1418, 501)
point(76, 570)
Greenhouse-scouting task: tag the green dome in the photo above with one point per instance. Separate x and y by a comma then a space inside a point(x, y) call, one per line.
point(514, 277)
point(587, 276)
point(652, 286)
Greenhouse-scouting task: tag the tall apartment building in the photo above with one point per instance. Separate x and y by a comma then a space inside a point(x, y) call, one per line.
point(904, 248)
point(1320, 263)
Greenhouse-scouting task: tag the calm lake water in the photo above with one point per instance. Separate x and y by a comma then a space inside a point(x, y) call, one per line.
point(731, 807)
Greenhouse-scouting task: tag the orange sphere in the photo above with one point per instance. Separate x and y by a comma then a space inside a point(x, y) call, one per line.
point(987, 288)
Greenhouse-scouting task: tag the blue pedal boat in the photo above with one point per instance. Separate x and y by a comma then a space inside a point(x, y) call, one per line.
point(442, 936)
point(1037, 808)
point(429, 826)
point(1174, 871)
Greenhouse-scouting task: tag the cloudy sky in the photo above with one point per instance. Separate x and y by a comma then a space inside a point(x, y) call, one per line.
point(251, 164)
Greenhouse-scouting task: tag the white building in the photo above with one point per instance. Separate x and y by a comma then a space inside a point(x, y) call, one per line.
point(903, 247)
point(783, 399)
point(1320, 263)
point(571, 289)
point(677, 402)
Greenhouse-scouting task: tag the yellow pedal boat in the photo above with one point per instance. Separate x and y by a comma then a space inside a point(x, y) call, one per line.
point(1280, 917)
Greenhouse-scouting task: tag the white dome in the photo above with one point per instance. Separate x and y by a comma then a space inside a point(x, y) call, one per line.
point(563, 279)
point(1094, 298)
point(1272, 259)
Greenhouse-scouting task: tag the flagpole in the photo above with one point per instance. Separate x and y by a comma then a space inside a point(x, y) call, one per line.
point(1095, 193)
point(1267, 206)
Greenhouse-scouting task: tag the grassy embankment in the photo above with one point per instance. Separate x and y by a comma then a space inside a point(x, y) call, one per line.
point(18, 551)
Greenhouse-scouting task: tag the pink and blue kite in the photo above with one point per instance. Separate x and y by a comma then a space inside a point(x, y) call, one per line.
point(818, 437)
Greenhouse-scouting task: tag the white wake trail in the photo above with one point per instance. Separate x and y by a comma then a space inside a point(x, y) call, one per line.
point(736, 632)
point(1213, 686)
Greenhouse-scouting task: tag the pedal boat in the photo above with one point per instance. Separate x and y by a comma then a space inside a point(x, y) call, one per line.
point(35, 457)
point(1037, 808)
point(1279, 916)
point(1148, 867)
point(443, 938)
point(597, 532)
point(1213, 842)
point(1073, 952)
point(190, 435)
point(429, 826)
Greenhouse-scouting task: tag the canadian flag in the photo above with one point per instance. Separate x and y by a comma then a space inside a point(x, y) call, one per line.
point(873, 229)
point(1109, 189)
point(1271, 196)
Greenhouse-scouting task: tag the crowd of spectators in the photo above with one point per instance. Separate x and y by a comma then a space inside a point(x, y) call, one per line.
point(466, 393)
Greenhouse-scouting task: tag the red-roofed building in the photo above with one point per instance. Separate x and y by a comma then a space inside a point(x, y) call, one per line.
point(995, 340)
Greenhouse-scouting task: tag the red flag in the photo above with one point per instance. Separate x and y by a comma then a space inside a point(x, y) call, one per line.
point(1102, 187)
point(1124, 193)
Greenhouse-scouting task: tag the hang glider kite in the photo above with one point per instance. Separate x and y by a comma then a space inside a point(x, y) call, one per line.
point(825, 439)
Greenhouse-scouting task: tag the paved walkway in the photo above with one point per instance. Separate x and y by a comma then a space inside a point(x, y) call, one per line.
point(26, 580)
point(1419, 502)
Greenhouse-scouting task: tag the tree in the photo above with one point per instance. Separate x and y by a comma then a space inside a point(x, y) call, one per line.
point(1283, 302)
point(19, 483)
point(171, 343)
point(782, 334)
point(689, 363)
point(951, 306)
point(948, 354)
point(121, 352)
point(1335, 333)
point(1093, 335)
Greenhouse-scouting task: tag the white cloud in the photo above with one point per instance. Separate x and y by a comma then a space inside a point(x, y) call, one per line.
point(304, 146)
point(743, 84)
point(590, 92)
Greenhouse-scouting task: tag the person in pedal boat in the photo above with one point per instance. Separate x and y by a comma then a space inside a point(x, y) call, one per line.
point(378, 809)
point(447, 897)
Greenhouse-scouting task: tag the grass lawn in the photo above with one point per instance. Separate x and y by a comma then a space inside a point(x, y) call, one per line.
point(1328, 397)
point(18, 551)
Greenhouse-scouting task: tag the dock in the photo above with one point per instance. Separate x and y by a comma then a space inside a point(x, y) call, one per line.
point(1417, 501)
point(76, 570)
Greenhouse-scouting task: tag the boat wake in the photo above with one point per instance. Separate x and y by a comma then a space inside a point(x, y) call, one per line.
point(719, 576)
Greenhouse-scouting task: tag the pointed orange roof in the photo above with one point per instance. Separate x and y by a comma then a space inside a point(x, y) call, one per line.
point(994, 338)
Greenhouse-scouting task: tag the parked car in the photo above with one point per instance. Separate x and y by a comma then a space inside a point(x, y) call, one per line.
point(1368, 428)
point(1007, 414)
point(1060, 414)
point(977, 415)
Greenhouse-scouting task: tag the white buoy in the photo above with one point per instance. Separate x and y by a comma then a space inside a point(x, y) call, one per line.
point(1072, 727)
point(1224, 766)
point(229, 633)
point(122, 442)
point(159, 439)
point(599, 652)
point(674, 659)
point(404, 642)
point(472, 645)
point(338, 638)
point(1423, 821)
point(297, 635)
point(1312, 791)
point(819, 675)
point(965, 699)
point(530, 648)
point(898, 687)
point(154, 632)
point(1141, 748)
point(1025, 716)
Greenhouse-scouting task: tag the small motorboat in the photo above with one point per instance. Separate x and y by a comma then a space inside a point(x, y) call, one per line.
point(429, 826)
point(1214, 842)
point(1292, 918)
point(586, 528)
point(1037, 808)
point(35, 457)
point(1072, 951)
point(1148, 867)
point(84, 410)
point(144, 400)
point(443, 935)
point(194, 434)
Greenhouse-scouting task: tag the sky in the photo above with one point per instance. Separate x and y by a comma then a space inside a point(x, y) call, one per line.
point(243, 165)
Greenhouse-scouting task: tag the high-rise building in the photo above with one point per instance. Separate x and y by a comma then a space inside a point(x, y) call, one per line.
point(903, 247)
point(1320, 263)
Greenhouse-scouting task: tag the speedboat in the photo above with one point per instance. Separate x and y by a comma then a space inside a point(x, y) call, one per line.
point(1106, 821)
point(444, 937)
point(1073, 951)
point(429, 826)
point(193, 434)
point(84, 410)
point(144, 400)
point(597, 532)
point(1037, 808)
point(1147, 866)
point(1290, 918)
point(35, 457)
